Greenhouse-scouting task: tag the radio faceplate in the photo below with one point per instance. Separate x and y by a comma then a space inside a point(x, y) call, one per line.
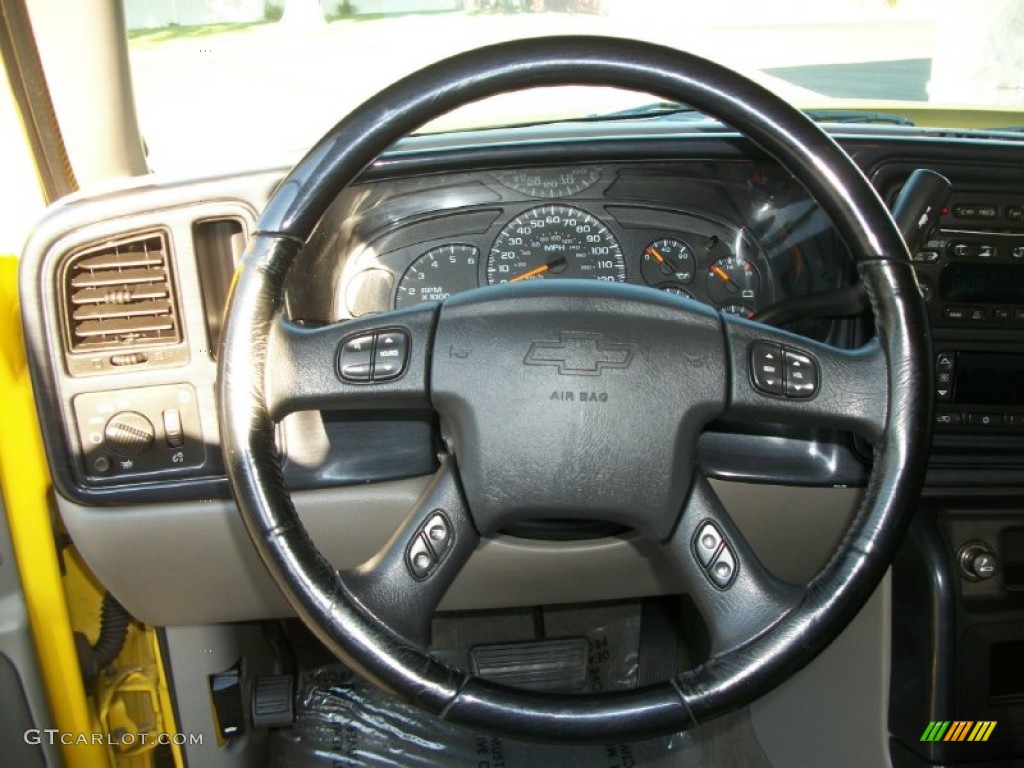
point(973, 279)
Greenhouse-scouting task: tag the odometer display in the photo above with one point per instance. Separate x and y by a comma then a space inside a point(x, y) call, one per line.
point(555, 241)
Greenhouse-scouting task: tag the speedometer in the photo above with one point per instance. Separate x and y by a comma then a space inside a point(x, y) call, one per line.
point(555, 241)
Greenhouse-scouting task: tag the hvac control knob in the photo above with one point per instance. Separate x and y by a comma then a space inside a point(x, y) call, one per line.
point(129, 433)
point(977, 561)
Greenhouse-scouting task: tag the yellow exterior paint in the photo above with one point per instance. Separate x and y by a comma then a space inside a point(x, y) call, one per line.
point(136, 698)
point(25, 480)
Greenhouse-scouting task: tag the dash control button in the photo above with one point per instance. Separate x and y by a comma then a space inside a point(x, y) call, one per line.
point(723, 570)
point(173, 432)
point(354, 362)
point(390, 355)
point(707, 543)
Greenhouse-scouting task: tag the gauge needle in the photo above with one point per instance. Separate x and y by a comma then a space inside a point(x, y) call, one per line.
point(554, 264)
point(532, 273)
point(660, 259)
point(722, 275)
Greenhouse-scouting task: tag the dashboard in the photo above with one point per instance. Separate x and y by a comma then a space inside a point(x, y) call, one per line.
point(123, 293)
point(736, 236)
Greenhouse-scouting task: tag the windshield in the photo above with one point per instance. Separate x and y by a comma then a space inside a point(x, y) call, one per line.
point(199, 66)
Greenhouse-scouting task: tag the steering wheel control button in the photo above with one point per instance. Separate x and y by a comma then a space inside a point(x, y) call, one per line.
point(706, 544)
point(129, 433)
point(438, 533)
point(390, 355)
point(420, 557)
point(779, 370)
point(368, 357)
point(355, 363)
point(766, 363)
point(801, 374)
point(429, 546)
point(714, 555)
point(723, 570)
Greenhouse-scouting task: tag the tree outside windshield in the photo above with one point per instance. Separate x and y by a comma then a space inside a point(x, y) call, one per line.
point(200, 66)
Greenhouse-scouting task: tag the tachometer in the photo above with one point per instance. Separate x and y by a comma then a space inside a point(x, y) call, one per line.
point(437, 274)
point(555, 241)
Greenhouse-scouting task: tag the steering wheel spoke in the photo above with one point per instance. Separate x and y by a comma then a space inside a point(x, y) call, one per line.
point(376, 362)
point(403, 583)
point(780, 377)
point(736, 595)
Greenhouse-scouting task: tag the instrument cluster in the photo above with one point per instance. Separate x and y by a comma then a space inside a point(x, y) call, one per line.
point(728, 236)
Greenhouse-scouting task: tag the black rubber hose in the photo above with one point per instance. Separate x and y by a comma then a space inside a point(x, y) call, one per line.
point(113, 632)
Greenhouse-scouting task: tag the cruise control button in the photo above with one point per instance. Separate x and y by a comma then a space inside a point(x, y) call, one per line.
point(438, 533)
point(356, 358)
point(706, 543)
point(723, 570)
point(390, 356)
point(766, 366)
point(420, 558)
point(801, 374)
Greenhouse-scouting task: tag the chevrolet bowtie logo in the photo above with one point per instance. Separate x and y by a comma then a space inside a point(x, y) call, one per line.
point(580, 354)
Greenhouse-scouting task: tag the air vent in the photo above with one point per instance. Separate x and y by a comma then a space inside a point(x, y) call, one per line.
point(119, 297)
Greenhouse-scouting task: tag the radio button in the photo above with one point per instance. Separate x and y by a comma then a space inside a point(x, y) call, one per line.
point(955, 313)
point(948, 420)
point(975, 211)
point(1018, 313)
point(1016, 419)
point(1015, 213)
point(928, 257)
point(962, 250)
point(1002, 314)
point(985, 251)
point(977, 315)
point(985, 420)
point(1017, 252)
point(944, 361)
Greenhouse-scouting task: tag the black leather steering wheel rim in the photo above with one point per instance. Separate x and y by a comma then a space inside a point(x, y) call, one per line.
point(339, 615)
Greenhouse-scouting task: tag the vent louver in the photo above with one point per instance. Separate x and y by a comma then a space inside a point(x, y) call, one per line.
point(120, 296)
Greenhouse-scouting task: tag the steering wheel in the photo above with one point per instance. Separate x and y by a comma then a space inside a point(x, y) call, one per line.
point(655, 370)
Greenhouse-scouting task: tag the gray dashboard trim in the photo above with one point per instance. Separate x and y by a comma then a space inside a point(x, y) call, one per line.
point(192, 562)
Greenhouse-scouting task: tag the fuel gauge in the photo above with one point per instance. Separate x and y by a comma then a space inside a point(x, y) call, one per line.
point(667, 260)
